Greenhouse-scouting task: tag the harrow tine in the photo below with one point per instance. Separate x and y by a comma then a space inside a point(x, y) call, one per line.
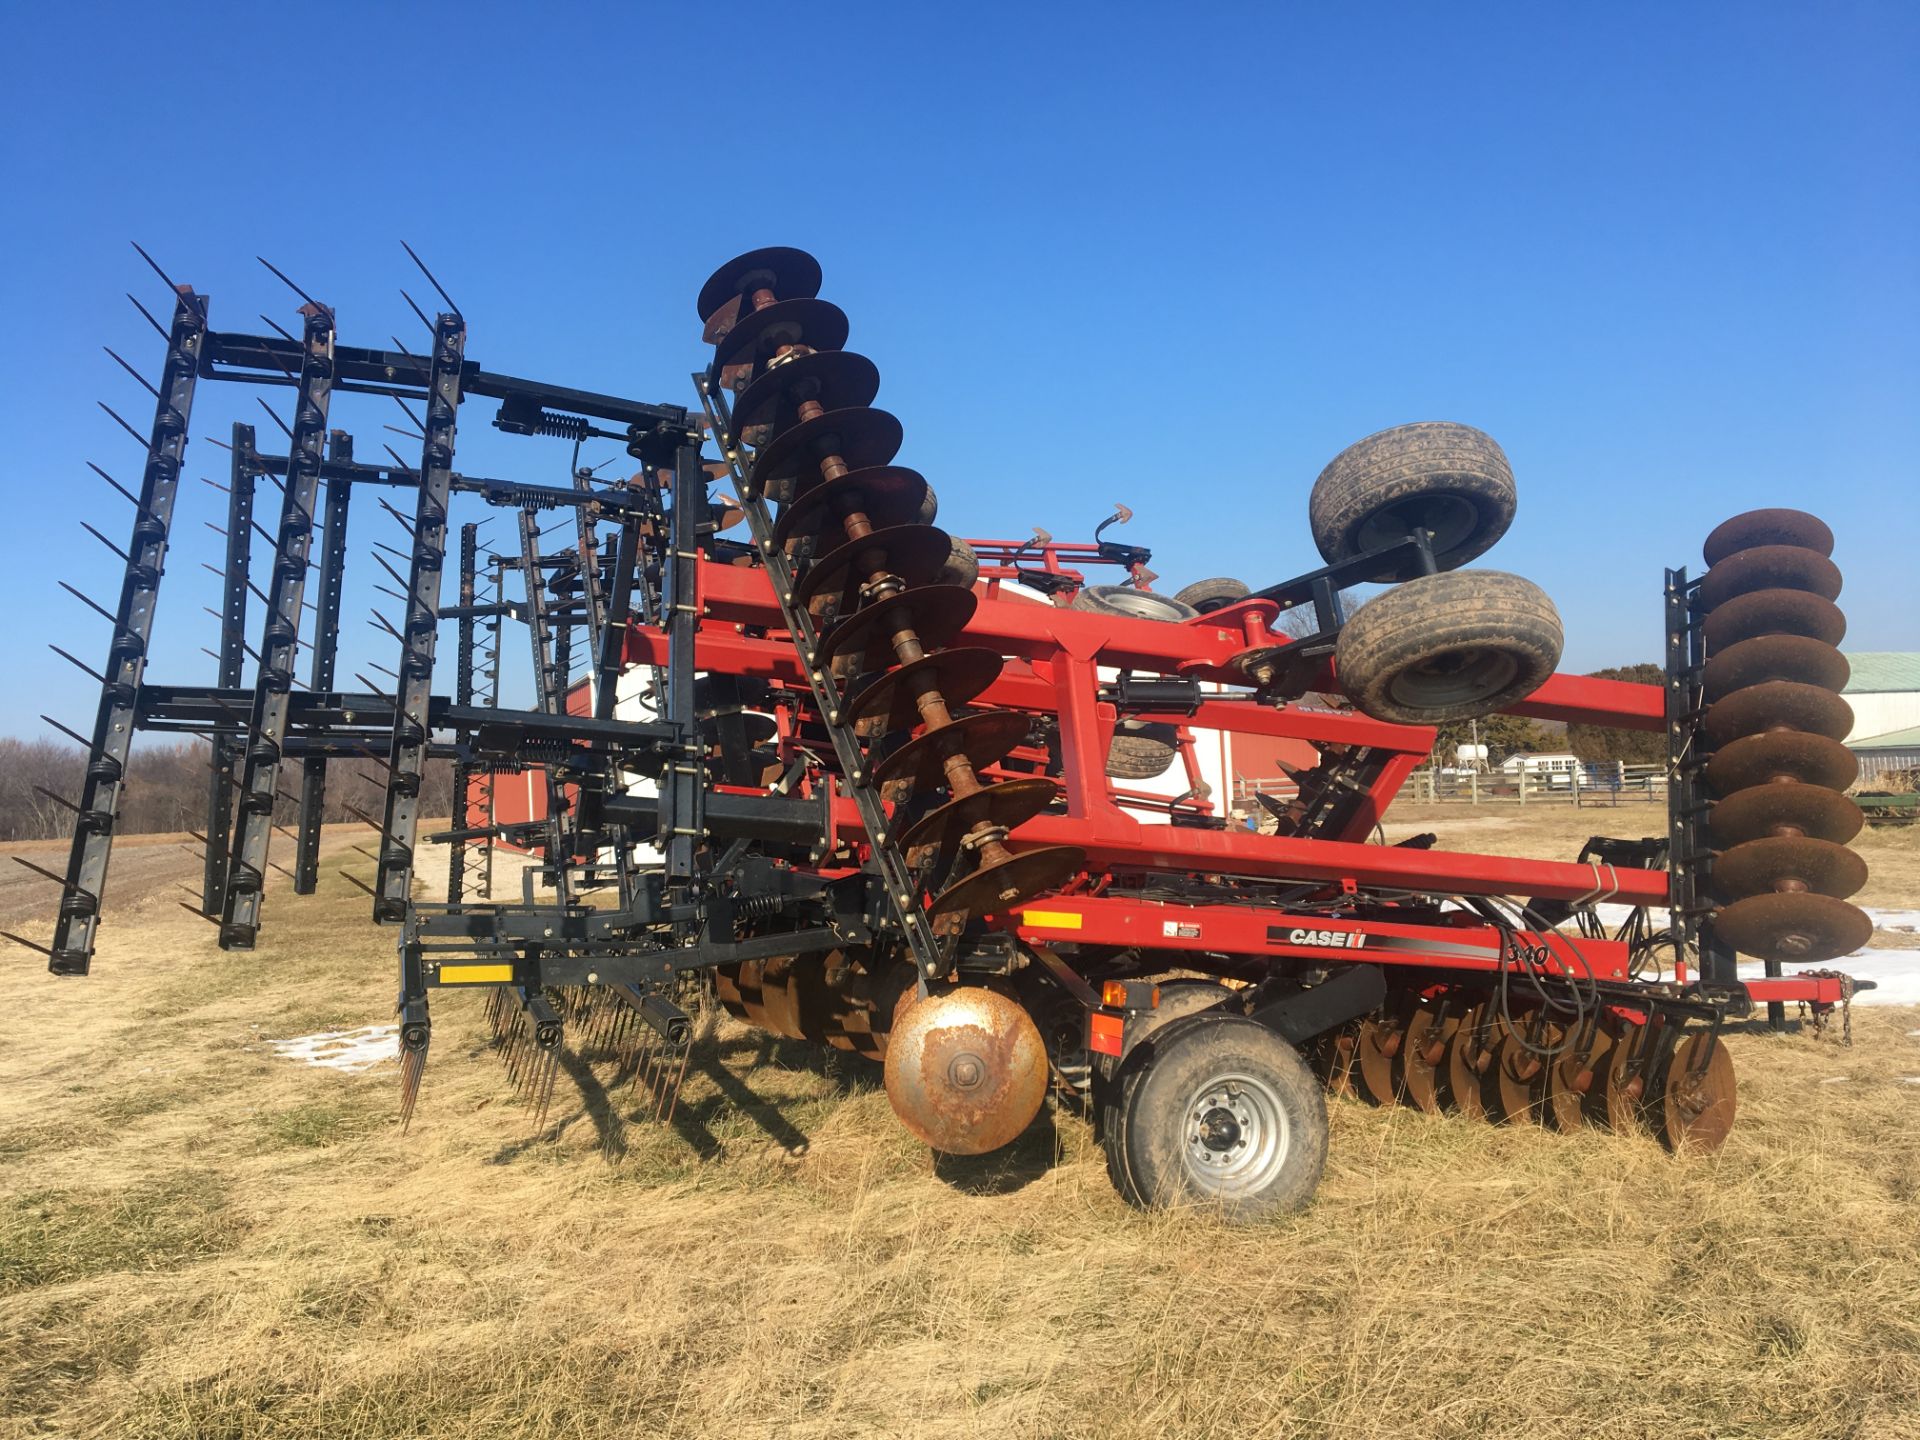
point(432, 281)
point(413, 1064)
point(44, 873)
point(131, 371)
point(158, 327)
point(356, 880)
point(93, 605)
point(131, 498)
point(22, 940)
point(103, 540)
point(416, 310)
point(679, 1079)
point(139, 439)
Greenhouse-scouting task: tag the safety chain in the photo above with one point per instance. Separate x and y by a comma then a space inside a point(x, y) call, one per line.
point(1819, 1016)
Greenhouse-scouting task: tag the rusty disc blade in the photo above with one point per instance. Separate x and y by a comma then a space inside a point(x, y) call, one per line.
point(1768, 527)
point(1010, 803)
point(1781, 755)
point(914, 553)
point(790, 274)
point(746, 981)
point(1520, 1075)
point(777, 998)
point(1787, 864)
point(1334, 1059)
point(1769, 567)
point(1778, 705)
point(1380, 1043)
point(1775, 657)
point(1803, 929)
point(1623, 1101)
point(984, 738)
point(994, 889)
point(1697, 1102)
point(726, 990)
point(1771, 811)
point(756, 335)
point(966, 1070)
point(831, 379)
point(1576, 1078)
point(1423, 1055)
point(1773, 612)
point(935, 613)
point(886, 494)
point(861, 437)
point(1470, 1057)
point(958, 675)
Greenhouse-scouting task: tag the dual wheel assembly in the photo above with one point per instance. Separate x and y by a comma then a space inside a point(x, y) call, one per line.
point(1454, 1050)
point(1774, 722)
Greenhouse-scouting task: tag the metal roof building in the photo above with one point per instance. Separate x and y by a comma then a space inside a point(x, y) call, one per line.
point(1884, 692)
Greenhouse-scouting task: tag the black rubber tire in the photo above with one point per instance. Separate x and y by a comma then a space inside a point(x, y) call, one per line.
point(962, 567)
point(1135, 604)
point(1451, 479)
point(1457, 646)
point(1149, 1128)
point(1215, 594)
point(1142, 750)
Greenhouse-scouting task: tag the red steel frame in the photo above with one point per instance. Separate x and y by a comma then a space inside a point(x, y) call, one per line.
point(1056, 656)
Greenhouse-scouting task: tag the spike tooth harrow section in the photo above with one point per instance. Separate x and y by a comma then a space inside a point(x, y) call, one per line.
point(867, 795)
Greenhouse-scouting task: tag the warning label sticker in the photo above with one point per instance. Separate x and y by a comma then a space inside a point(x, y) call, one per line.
point(1179, 930)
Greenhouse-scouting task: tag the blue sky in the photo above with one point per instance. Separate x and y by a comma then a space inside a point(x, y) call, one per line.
point(1669, 256)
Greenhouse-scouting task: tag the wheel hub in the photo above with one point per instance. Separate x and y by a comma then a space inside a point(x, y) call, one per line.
point(1237, 1135)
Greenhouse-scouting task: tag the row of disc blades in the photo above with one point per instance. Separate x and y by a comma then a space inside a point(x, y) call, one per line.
point(1454, 1051)
point(870, 568)
point(1775, 720)
point(965, 1067)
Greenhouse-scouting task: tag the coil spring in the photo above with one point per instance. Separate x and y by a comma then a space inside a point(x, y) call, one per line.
point(759, 907)
point(561, 426)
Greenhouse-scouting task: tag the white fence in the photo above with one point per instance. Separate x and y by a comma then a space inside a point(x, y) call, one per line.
point(1595, 784)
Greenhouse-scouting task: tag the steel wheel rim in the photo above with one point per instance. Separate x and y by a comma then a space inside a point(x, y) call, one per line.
point(1448, 519)
point(1235, 1135)
point(1460, 676)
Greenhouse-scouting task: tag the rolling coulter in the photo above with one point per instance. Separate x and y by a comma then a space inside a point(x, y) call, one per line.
point(798, 749)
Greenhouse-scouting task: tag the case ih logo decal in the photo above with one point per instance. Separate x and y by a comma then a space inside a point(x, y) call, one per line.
point(1327, 939)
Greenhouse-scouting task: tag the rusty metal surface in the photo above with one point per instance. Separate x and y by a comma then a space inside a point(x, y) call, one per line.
point(1767, 527)
point(1802, 927)
point(1781, 755)
point(1774, 612)
point(966, 1070)
point(1783, 809)
point(1788, 864)
point(1798, 658)
point(997, 885)
point(1778, 705)
point(887, 495)
point(1698, 1101)
point(1010, 803)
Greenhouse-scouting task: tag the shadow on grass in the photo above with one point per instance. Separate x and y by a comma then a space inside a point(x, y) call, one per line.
point(1011, 1168)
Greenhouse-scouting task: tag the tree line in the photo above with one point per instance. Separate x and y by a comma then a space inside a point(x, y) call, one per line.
point(166, 789)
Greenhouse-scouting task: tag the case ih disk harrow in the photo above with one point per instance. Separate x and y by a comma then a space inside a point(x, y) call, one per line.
point(861, 790)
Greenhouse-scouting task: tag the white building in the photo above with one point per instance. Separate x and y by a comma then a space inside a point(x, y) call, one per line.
point(1884, 691)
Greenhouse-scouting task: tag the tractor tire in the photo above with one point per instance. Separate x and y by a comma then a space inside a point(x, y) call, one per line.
point(1449, 479)
point(1142, 750)
point(1449, 647)
point(962, 567)
point(1216, 594)
point(1135, 604)
point(1223, 1114)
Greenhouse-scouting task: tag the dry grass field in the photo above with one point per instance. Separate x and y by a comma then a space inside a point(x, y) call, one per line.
point(199, 1238)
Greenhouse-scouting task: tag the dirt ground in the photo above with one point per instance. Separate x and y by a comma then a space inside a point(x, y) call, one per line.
point(200, 1238)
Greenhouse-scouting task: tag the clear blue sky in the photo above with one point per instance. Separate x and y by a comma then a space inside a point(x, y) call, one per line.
point(1668, 255)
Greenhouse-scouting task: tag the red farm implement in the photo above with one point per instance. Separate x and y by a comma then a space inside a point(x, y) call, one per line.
point(951, 806)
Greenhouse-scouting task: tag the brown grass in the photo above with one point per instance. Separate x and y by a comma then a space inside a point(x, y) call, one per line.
point(198, 1239)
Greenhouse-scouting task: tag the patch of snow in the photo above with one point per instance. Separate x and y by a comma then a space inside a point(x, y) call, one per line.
point(1836, 1080)
point(347, 1050)
point(1907, 920)
point(1895, 974)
